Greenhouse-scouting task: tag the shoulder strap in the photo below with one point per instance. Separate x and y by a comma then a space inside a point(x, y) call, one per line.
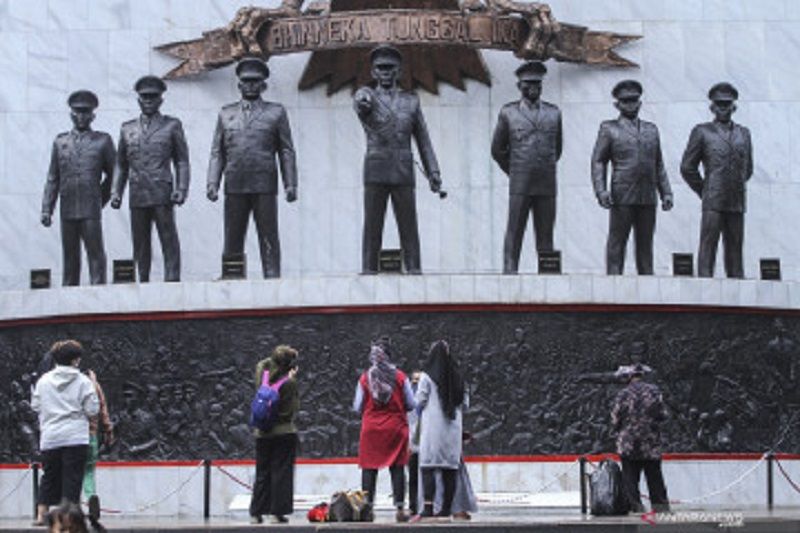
point(277, 384)
point(265, 379)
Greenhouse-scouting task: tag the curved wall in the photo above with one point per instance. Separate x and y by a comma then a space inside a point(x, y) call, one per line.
point(49, 48)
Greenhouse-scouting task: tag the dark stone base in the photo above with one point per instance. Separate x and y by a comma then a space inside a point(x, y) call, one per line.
point(179, 387)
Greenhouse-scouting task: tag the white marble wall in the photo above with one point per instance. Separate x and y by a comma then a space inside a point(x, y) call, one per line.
point(50, 47)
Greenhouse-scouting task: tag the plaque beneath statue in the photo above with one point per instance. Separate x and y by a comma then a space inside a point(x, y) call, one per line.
point(683, 264)
point(40, 278)
point(124, 271)
point(390, 261)
point(234, 266)
point(550, 262)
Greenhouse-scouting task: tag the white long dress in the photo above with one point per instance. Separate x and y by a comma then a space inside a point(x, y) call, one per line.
point(440, 437)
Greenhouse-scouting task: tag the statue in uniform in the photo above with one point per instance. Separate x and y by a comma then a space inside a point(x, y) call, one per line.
point(249, 137)
point(149, 146)
point(79, 160)
point(633, 148)
point(726, 152)
point(390, 118)
point(527, 145)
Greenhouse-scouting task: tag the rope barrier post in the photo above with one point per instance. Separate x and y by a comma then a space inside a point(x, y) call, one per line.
point(770, 481)
point(582, 466)
point(206, 489)
point(35, 468)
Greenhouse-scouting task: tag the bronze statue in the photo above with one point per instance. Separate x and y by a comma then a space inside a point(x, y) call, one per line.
point(77, 164)
point(148, 148)
point(250, 134)
point(391, 117)
point(634, 149)
point(527, 145)
point(726, 152)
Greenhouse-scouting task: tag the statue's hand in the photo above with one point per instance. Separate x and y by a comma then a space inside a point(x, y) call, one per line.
point(177, 197)
point(604, 199)
point(666, 202)
point(46, 220)
point(363, 100)
point(116, 201)
point(291, 194)
point(435, 182)
point(212, 193)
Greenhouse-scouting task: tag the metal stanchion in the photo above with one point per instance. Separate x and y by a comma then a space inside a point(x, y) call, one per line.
point(35, 468)
point(206, 489)
point(770, 481)
point(582, 465)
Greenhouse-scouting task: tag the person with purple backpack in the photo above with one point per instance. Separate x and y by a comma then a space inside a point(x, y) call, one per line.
point(276, 441)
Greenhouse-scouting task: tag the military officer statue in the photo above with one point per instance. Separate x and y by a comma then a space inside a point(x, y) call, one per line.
point(249, 136)
point(633, 147)
point(391, 117)
point(527, 145)
point(77, 164)
point(148, 148)
point(725, 150)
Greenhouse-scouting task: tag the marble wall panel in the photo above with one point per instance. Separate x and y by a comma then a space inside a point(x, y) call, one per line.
point(686, 47)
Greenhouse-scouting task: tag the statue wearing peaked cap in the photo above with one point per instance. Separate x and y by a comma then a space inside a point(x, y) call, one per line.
point(725, 150)
point(391, 117)
point(633, 148)
point(527, 145)
point(252, 141)
point(80, 159)
point(150, 146)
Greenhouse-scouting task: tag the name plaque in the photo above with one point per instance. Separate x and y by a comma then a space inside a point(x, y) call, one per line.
point(550, 262)
point(683, 264)
point(124, 271)
point(390, 261)
point(771, 269)
point(234, 266)
point(40, 278)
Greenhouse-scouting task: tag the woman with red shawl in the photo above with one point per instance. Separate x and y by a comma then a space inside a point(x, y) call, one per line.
point(383, 396)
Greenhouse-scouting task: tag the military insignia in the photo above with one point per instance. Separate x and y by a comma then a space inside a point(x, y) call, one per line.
point(440, 39)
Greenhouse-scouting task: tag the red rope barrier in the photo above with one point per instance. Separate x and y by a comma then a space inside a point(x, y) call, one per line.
point(235, 479)
point(786, 475)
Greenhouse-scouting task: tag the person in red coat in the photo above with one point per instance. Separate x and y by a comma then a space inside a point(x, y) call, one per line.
point(383, 396)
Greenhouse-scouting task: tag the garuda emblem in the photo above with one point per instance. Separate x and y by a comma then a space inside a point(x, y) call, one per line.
point(440, 39)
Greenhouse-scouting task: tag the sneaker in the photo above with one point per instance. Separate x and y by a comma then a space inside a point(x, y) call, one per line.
point(278, 519)
point(94, 508)
point(462, 515)
point(254, 520)
point(401, 516)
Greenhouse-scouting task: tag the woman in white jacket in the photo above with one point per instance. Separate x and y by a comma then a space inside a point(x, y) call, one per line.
point(440, 398)
point(64, 398)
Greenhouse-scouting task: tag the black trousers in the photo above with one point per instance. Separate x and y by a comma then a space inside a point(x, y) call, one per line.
point(642, 218)
point(631, 473)
point(413, 483)
point(264, 208)
point(543, 210)
point(63, 474)
point(142, 219)
point(731, 225)
point(429, 489)
point(90, 231)
point(273, 492)
point(405, 213)
point(369, 480)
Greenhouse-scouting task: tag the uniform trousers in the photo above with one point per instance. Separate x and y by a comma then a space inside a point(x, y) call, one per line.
point(90, 231)
point(543, 211)
point(142, 219)
point(63, 474)
point(264, 208)
point(273, 491)
point(405, 213)
point(642, 218)
point(731, 225)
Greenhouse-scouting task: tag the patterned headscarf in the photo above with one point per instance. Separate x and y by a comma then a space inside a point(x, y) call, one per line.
point(381, 376)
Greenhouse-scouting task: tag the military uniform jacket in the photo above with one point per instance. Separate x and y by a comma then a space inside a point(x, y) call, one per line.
point(244, 149)
point(527, 145)
point(145, 157)
point(636, 417)
point(727, 157)
point(77, 164)
point(389, 127)
point(634, 150)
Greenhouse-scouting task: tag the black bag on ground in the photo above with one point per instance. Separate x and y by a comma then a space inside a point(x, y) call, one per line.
point(350, 506)
point(607, 492)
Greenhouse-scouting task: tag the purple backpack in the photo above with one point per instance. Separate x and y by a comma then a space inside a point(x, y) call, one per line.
point(264, 407)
